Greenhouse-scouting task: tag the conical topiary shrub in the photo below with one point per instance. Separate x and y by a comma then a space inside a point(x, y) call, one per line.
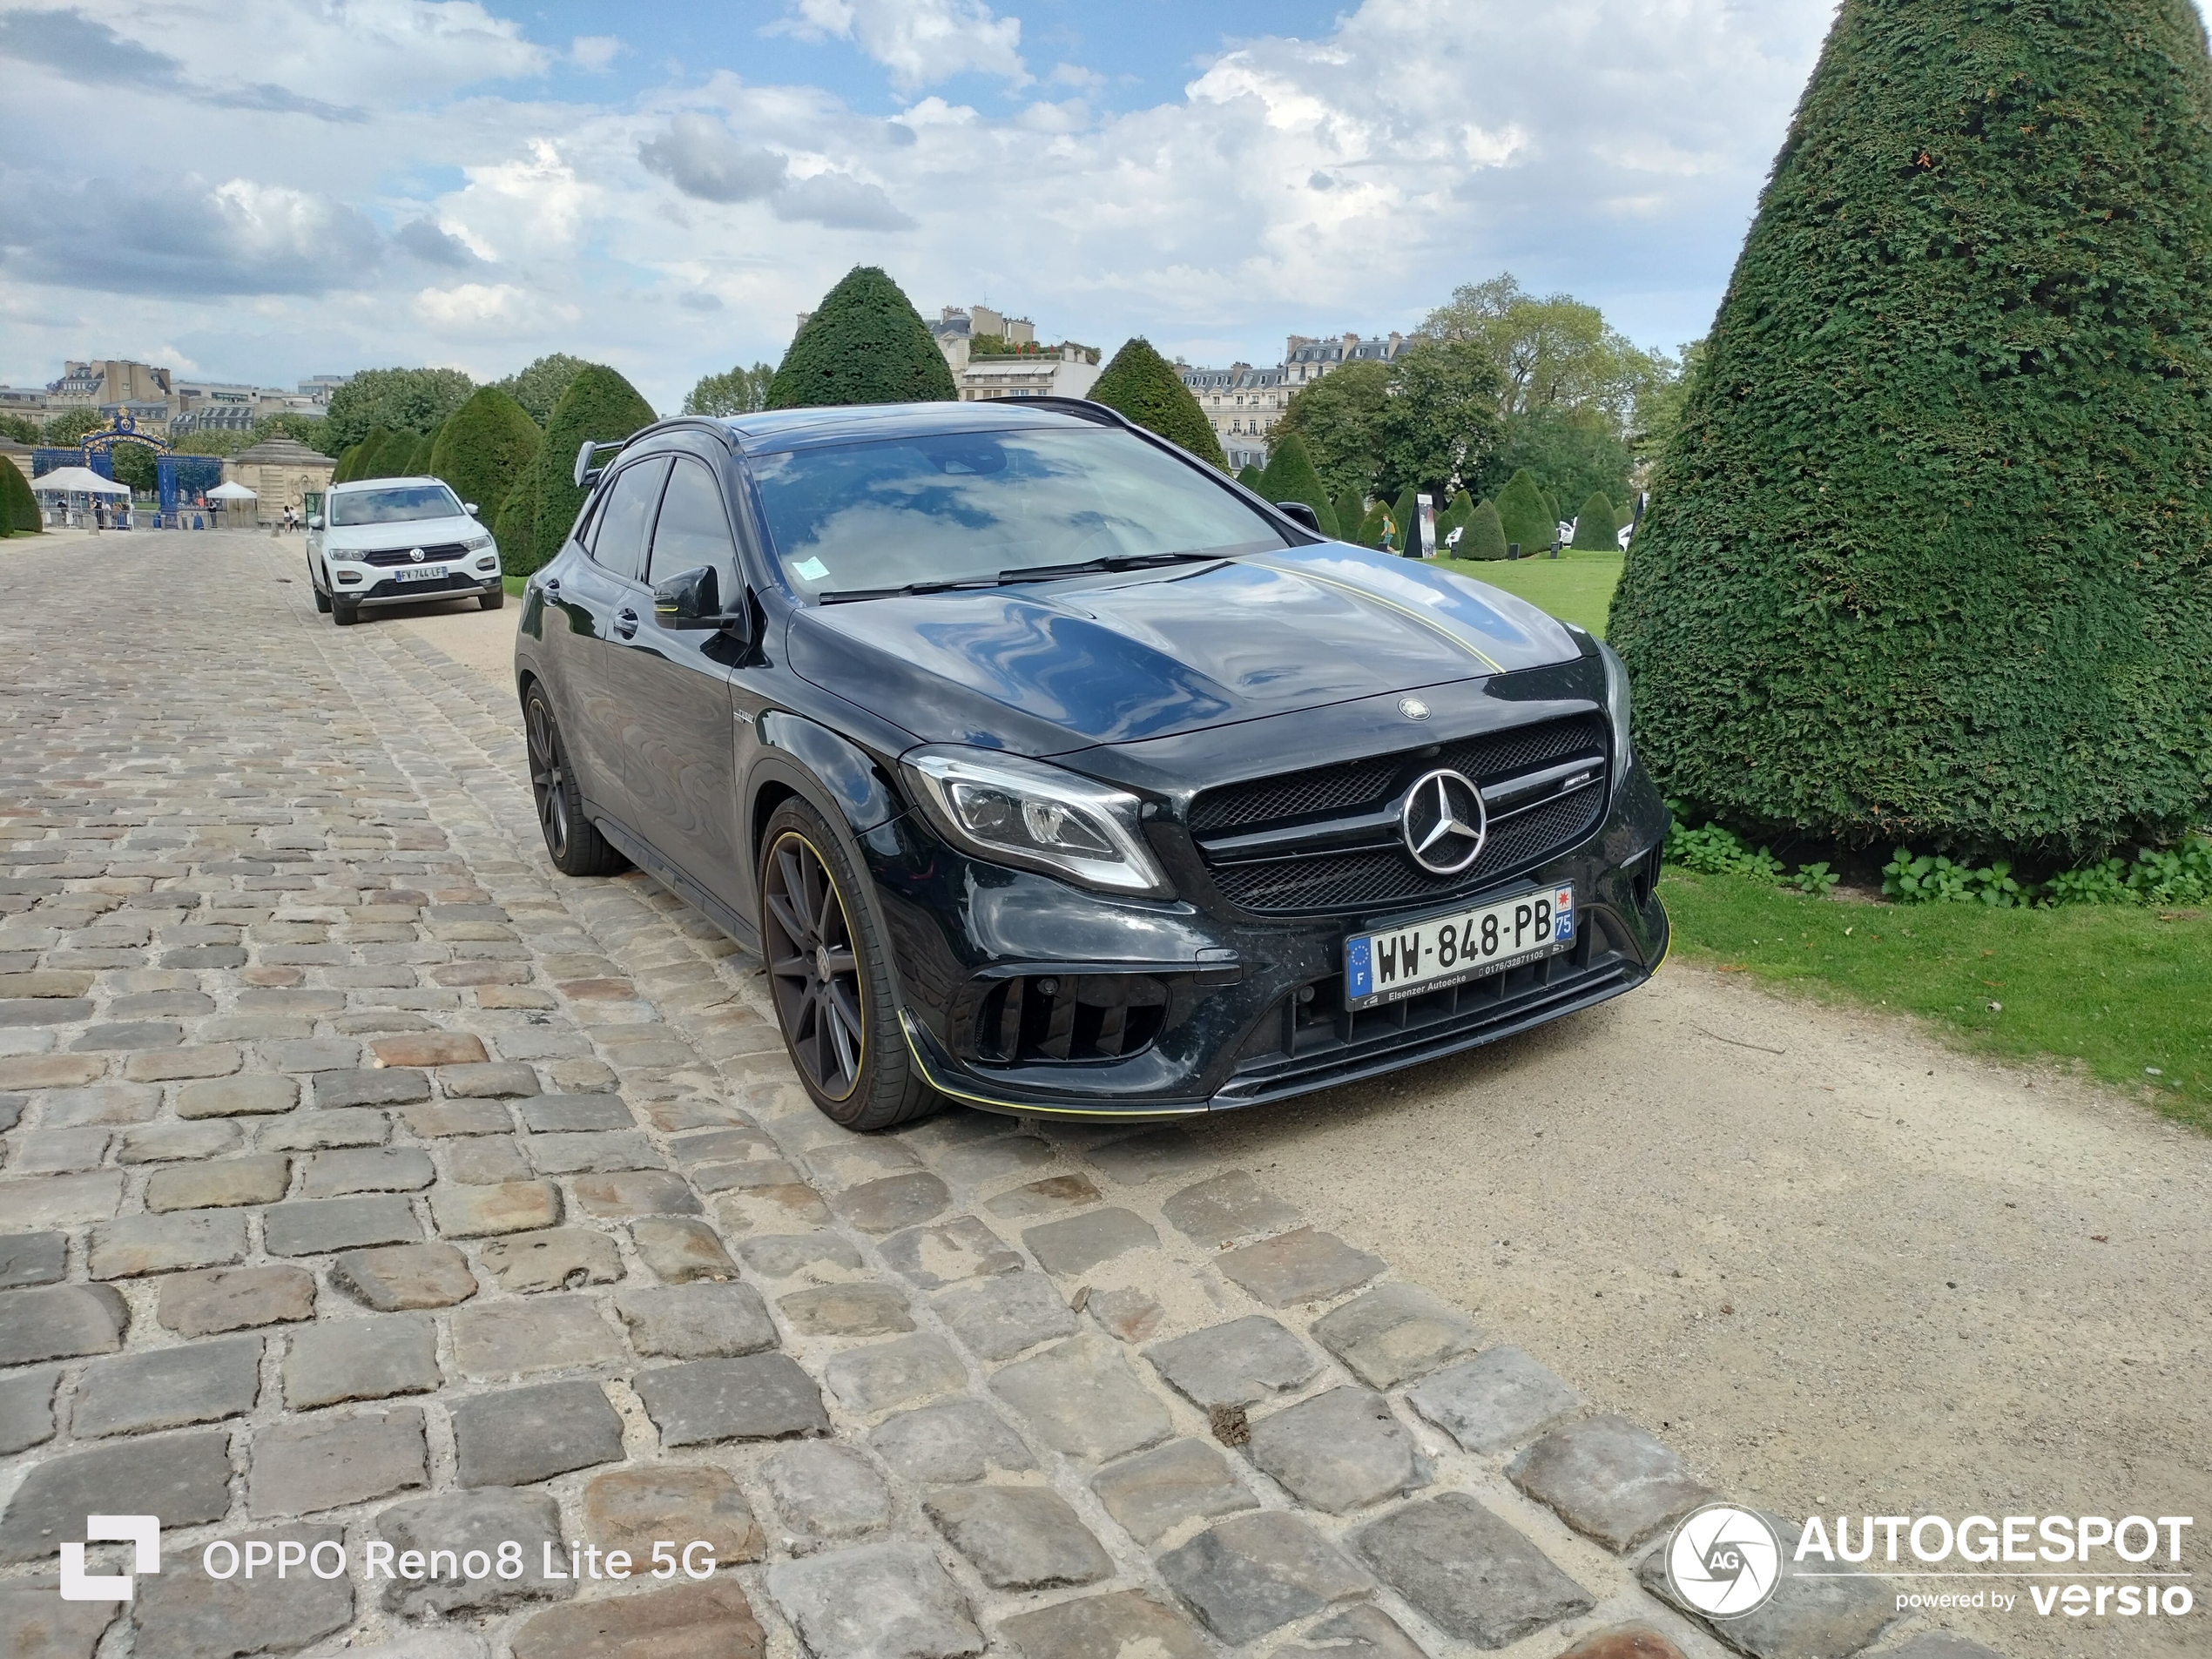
point(1144, 385)
point(352, 464)
point(601, 407)
point(1525, 514)
point(1930, 557)
point(1596, 530)
point(389, 458)
point(1401, 516)
point(1249, 476)
point(18, 506)
point(487, 443)
point(865, 343)
point(1352, 512)
point(1486, 536)
point(512, 529)
point(1371, 526)
point(1290, 476)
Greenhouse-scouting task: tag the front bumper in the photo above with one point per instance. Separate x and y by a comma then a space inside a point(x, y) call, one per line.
point(386, 590)
point(1226, 1011)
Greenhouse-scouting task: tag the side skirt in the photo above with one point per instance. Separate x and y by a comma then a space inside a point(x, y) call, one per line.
point(650, 858)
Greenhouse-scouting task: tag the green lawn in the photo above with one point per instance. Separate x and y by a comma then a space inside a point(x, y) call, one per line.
point(1574, 587)
point(2120, 988)
point(513, 584)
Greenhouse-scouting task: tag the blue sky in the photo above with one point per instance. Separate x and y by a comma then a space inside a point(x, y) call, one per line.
point(265, 189)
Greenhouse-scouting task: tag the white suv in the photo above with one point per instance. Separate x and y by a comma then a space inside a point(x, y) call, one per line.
point(396, 542)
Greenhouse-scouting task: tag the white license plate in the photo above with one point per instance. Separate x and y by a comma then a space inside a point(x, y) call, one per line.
point(1393, 963)
point(419, 573)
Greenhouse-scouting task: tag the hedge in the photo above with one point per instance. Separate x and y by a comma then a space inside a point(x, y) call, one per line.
point(512, 528)
point(1290, 476)
point(1929, 559)
point(1486, 536)
point(490, 443)
point(600, 406)
point(865, 343)
point(1144, 385)
point(1250, 476)
point(1525, 514)
point(18, 506)
point(1596, 530)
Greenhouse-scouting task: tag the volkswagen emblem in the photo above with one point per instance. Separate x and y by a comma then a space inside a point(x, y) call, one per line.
point(1443, 823)
point(1413, 708)
point(415, 553)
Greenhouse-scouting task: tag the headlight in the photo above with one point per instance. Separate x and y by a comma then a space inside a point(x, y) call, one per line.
point(340, 556)
point(1012, 811)
point(474, 543)
point(1616, 710)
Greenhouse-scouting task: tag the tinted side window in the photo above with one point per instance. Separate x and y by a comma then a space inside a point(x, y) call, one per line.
point(694, 529)
point(618, 535)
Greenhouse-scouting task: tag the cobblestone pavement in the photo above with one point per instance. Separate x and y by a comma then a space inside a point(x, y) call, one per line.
point(368, 1183)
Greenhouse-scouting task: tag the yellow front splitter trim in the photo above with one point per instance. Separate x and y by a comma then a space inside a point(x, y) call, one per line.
point(1026, 1110)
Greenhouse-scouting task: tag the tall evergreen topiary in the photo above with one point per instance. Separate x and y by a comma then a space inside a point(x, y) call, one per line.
point(355, 462)
point(1486, 536)
point(18, 505)
point(1401, 514)
point(599, 405)
point(1351, 511)
point(1930, 557)
point(418, 460)
point(1596, 530)
point(1144, 385)
point(512, 529)
point(490, 443)
point(1290, 476)
point(865, 344)
point(389, 458)
point(1370, 527)
point(1250, 476)
point(1525, 514)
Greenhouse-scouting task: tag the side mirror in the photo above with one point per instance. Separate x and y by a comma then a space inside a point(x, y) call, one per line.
point(315, 521)
point(690, 599)
point(1300, 511)
point(469, 508)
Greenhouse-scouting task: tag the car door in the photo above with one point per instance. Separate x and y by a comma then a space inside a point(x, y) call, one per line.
point(674, 685)
point(594, 590)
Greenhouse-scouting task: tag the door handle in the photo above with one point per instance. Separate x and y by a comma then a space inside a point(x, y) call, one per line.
point(626, 622)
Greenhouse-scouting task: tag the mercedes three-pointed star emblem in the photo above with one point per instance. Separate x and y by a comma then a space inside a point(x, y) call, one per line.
point(1443, 823)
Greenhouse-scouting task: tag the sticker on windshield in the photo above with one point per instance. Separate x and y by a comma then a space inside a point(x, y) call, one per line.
point(813, 570)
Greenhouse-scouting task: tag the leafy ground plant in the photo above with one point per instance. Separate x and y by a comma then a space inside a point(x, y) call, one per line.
point(2118, 988)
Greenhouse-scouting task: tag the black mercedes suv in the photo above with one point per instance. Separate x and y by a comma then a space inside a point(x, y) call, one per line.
point(1046, 769)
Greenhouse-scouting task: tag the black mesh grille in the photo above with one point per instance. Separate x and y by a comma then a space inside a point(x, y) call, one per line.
point(1388, 875)
point(391, 556)
point(1366, 784)
point(459, 582)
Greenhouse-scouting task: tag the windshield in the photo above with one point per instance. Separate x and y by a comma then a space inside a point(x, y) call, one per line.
point(974, 506)
point(394, 506)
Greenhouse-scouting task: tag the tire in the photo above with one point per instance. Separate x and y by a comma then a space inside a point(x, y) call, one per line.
point(345, 612)
point(829, 975)
point(572, 841)
point(493, 600)
point(322, 599)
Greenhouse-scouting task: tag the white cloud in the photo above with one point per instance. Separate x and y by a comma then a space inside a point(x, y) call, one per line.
point(920, 42)
point(703, 159)
point(596, 54)
point(479, 307)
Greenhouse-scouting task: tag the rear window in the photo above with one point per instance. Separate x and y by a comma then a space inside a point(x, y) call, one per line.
point(972, 505)
point(397, 505)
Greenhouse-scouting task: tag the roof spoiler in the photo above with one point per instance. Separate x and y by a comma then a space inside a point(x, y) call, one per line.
point(1081, 407)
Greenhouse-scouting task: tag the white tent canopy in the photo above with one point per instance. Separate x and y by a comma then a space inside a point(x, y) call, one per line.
point(77, 481)
point(231, 492)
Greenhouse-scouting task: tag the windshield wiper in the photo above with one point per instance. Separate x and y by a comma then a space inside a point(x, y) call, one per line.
point(1089, 567)
point(847, 595)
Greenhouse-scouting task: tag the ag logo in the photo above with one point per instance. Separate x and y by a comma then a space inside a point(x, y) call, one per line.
point(1724, 1562)
point(143, 1531)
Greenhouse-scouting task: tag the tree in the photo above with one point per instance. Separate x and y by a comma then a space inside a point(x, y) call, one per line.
point(1250, 476)
point(1441, 420)
point(215, 441)
point(1486, 536)
point(1350, 508)
point(865, 343)
point(132, 464)
point(538, 387)
point(23, 429)
point(735, 391)
point(490, 443)
point(1340, 416)
point(66, 429)
point(1596, 529)
point(357, 456)
point(513, 528)
point(1930, 558)
point(1570, 453)
point(1659, 408)
point(389, 458)
point(1401, 518)
point(1290, 476)
point(1524, 515)
point(1144, 385)
point(310, 430)
point(413, 400)
point(18, 507)
point(1554, 352)
point(1371, 526)
point(599, 406)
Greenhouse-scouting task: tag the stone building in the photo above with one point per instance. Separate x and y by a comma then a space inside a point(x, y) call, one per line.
point(20, 454)
point(282, 473)
point(994, 355)
point(1243, 403)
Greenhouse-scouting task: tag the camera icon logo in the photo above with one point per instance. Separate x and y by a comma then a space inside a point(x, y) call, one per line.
point(1724, 1562)
point(142, 1532)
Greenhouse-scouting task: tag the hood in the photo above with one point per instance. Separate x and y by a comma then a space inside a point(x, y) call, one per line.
point(416, 532)
point(1043, 667)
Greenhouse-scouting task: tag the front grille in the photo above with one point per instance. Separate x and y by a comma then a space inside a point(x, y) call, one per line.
point(386, 557)
point(1369, 877)
point(458, 582)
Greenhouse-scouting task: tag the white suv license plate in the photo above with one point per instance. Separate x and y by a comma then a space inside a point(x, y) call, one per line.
point(1394, 963)
point(419, 573)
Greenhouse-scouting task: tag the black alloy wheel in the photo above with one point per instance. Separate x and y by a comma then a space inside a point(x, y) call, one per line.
point(571, 840)
point(830, 980)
